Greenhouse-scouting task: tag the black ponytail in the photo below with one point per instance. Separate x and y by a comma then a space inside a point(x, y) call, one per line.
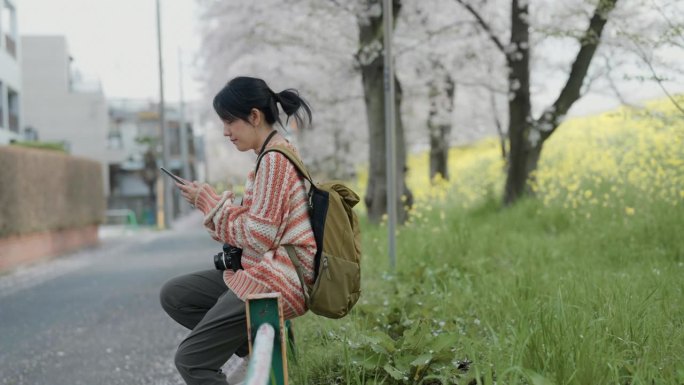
point(241, 94)
point(294, 105)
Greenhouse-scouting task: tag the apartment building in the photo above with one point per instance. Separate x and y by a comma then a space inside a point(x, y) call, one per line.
point(10, 75)
point(60, 104)
point(134, 147)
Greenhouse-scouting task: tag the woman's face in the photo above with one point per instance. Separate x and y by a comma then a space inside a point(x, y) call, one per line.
point(241, 134)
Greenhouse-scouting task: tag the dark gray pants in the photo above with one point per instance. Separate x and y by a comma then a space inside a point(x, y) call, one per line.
point(203, 303)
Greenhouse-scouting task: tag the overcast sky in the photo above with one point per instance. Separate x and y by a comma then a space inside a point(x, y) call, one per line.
point(116, 41)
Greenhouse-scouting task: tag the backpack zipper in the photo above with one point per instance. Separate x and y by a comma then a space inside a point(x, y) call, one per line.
point(325, 267)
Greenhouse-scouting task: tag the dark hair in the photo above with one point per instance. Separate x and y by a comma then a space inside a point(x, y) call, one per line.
point(241, 94)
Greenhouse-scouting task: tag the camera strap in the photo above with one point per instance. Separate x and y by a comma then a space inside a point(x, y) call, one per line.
point(268, 139)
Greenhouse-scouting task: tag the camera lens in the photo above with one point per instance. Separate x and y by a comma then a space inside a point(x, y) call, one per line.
point(220, 261)
point(230, 258)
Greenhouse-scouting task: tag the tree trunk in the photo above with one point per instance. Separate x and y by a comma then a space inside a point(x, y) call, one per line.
point(519, 105)
point(372, 75)
point(439, 121)
point(526, 135)
point(150, 172)
point(439, 152)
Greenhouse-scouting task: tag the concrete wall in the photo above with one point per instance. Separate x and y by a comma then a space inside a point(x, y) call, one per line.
point(26, 249)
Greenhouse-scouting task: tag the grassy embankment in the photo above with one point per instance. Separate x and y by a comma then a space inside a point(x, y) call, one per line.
point(582, 285)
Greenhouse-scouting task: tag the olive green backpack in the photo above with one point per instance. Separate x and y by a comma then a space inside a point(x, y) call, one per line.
point(337, 268)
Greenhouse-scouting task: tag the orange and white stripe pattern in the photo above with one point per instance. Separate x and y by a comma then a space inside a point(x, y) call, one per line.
point(274, 212)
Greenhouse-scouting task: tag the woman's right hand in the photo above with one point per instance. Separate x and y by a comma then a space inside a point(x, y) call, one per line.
point(189, 191)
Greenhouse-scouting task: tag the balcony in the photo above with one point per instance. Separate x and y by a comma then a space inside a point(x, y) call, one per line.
point(11, 46)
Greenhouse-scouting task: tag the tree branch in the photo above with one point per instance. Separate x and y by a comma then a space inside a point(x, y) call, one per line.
point(430, 35)
point(642, 55)
point(571, 91)
point(498, 125)
point(342, 5)
point(670, 24)
point(613, 85)
point(484, 25)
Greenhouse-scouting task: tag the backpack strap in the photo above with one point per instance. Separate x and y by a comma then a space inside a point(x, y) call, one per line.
point(298, 268)
point(294, 159)
point(289, 154)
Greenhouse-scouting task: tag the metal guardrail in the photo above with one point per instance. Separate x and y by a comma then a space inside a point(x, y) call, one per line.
point(129, 216)
point(268, 347)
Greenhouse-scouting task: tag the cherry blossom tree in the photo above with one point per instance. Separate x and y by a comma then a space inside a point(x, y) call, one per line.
point(288, 44)
point(441, 58)
point(526, 133)
point(369, 17)
point(466, 67)
point(559, 53)
point(332, 51)
point(647, 46)
point(421, 52)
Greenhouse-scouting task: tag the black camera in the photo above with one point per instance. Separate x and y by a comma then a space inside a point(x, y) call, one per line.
point(229, 258)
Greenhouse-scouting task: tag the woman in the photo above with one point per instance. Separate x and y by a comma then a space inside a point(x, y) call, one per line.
point(273, 213)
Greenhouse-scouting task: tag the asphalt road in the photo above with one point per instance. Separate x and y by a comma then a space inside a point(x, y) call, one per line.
point(94, 317)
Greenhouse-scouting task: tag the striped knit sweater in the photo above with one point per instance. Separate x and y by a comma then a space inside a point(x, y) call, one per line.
point(273, 213)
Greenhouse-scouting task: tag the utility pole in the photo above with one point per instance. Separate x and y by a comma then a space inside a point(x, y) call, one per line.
point(165, 196)
point(390, 144)
point(185, 161)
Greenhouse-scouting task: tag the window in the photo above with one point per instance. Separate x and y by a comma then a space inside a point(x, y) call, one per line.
point(13, 107)
point(2, 105)
point(9, 28)
point(114, 139)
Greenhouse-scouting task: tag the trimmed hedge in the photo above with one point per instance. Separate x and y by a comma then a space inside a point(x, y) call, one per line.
point(54, 146)
point(47, 190)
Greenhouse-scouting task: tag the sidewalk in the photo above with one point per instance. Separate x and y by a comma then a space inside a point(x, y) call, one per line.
point(190, 221)
point(114, 240)
point(94, 317)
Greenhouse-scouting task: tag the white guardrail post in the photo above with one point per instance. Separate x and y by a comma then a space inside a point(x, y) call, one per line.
point(268, 347)
point(261, 357)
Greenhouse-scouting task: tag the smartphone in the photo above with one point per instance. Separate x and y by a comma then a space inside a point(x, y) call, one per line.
point(173, 176)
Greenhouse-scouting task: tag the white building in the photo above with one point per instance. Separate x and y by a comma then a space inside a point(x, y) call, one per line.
point(134, 142)
point(10, 75)
point(59, 105)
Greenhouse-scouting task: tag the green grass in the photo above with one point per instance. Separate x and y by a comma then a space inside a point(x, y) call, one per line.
point(525, 295)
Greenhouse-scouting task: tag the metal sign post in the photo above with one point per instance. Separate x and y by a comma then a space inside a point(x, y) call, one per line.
point(390, 144)
point(183, 129)
point(165, 195)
